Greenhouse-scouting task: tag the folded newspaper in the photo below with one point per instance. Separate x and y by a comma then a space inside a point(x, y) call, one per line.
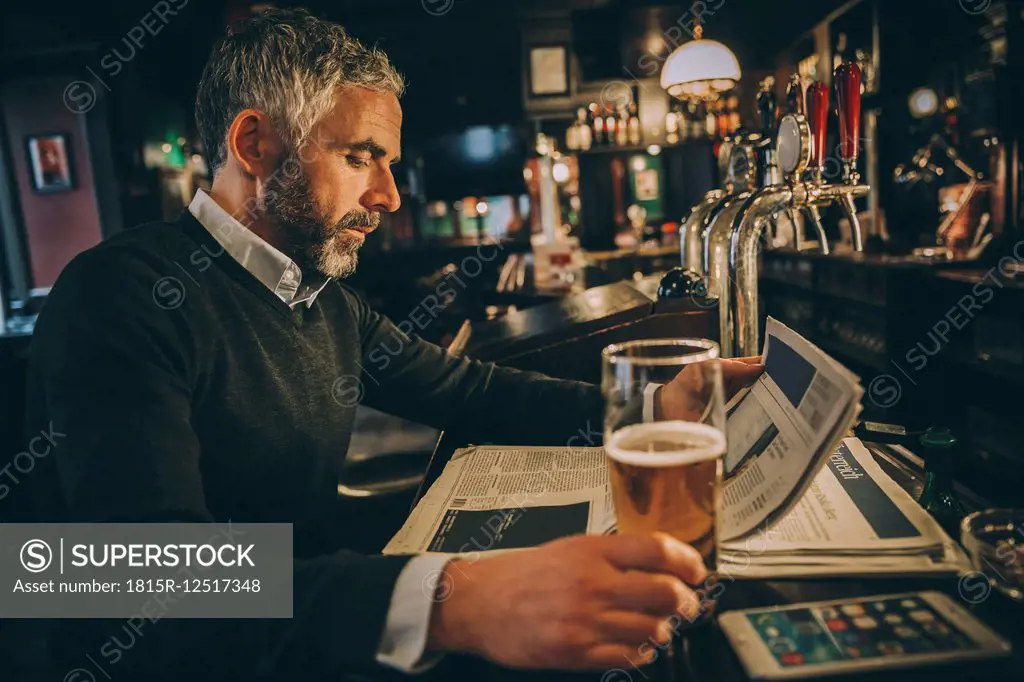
point(797, 499)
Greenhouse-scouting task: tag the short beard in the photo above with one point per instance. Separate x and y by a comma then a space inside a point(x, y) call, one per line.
point(305, 231)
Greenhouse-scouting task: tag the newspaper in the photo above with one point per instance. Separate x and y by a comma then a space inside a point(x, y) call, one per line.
point(853, 520)
point(497, 498)
point(780, 431)
point(797, 499)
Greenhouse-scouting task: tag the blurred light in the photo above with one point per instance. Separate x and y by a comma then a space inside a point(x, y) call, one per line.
point(481, 207)
point(542, 144)
point(639, 163)
point(196, 158)
point(457, 205)
point(654, 150)
point(166, 147)
point(527, 174)
point(655, 43)
point(437, 209)
point(560, 171)
point(479, 143)
point(923, 102)
point(181, 140)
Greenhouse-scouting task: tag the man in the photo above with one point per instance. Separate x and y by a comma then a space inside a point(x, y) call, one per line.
point(191, 367)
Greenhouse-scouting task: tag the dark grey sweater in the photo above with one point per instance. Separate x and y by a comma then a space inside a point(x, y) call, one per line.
point(188, 391)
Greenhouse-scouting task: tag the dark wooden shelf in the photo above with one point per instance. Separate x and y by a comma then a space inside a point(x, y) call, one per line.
point(994, 369)
point(809, 292)
point(978, 276)
point(786, 284)
point(637, 149)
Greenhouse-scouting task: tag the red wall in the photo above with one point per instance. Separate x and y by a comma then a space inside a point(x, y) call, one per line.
point(58, 226)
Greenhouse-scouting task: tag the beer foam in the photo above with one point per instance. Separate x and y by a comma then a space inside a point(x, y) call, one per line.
point(697, 442)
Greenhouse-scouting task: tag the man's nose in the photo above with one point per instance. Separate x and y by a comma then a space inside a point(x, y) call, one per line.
point(383, 194)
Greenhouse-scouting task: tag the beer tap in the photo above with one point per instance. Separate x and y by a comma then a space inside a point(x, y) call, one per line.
point(736, 171)
point(694, 228)
point(795, 95)
point(816, 106)
point(717, 277)
point(795, 144)
point(768, 114)
point(847, 80)
point(796, 104)
point(692, 232)
point(744, 171)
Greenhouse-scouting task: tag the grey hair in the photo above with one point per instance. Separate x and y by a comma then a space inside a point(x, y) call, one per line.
point(287, 64)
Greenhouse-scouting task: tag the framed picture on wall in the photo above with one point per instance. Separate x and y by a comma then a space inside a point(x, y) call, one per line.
point(549, 70)
point(49, 162)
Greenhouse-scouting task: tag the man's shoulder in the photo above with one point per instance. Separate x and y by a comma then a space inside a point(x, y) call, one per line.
point(151, 242)
point(123, 268)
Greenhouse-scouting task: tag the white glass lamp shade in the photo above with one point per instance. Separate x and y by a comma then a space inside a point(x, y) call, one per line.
point(700, 69)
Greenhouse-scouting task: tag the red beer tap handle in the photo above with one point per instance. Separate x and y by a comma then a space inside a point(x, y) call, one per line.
point(848, 104)
point(817, 119)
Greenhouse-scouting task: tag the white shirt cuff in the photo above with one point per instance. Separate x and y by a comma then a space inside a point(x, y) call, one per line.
point(408, 621)
point(649, 401)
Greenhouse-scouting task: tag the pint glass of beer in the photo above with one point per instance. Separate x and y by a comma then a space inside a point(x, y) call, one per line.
point(664, 434)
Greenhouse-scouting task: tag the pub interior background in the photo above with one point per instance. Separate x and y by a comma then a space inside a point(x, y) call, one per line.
point(540, 127)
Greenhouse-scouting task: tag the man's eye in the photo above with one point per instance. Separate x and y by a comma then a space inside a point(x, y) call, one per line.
point(358, 162)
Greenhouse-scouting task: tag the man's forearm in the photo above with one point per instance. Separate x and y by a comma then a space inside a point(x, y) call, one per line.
point(533, 408)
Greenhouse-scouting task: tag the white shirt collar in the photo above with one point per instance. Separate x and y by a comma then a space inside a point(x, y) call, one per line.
point(276, 271)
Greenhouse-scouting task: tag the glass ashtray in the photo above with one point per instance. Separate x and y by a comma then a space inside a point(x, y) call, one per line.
point(994, 540)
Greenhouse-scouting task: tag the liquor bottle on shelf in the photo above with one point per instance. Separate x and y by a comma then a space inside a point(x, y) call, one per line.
point(672, 120)
point(633, 125)
point(696, 117)
point(682, 124)
point(584, 133)
point(622, 127)
point(577, 137)
point(710, 120)
point(597, 122)
point(572, 137)
point(610, 125)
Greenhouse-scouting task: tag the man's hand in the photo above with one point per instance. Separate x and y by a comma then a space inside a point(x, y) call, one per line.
point(584, 602)
point(687, 395)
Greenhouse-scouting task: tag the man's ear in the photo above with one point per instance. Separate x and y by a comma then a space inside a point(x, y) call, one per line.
point(254, 144)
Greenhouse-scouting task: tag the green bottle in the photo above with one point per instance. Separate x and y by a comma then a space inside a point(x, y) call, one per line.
point(938, 498)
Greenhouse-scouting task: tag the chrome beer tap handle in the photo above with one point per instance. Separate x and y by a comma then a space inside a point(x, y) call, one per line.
point(847, 79)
